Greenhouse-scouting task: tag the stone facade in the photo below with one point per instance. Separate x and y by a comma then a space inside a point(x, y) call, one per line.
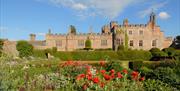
point(137, 36)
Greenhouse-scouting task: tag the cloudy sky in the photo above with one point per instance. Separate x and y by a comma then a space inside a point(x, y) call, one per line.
point(19, 18)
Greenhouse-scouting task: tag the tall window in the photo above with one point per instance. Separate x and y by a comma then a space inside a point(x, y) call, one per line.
point(80, 42)
point(140, 42)
point(154, 43)
point(130, 32)
point(119, 42)
point(141, 32)
point(58, 43)
point(131, 43)
point(103, 42)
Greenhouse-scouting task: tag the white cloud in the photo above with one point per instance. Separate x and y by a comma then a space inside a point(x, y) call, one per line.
point(164, 15)
point(106, 8)
point(41, 34)
point(154, 7)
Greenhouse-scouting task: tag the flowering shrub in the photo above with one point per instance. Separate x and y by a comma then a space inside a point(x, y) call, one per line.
point(100, 79)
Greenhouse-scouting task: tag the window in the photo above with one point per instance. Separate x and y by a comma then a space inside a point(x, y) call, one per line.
point(140, 32)
point(130, 32)
point(103, 42)
point(131, 43)
point(80, 42)
point(154, 43)
point(119, 41)
point(140, 42)
point(58, 43)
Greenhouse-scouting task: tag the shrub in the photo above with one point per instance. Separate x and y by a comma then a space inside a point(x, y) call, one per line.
point(88, 44)
point(170, 51)
point(136, 65)
point(25, 49)
point(134, 55)
point(1, 46)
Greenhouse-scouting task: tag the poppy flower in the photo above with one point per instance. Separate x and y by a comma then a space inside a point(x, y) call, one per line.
point(134, 75)
point(125, 71)
point(142, 79)
point(119, 75)
point(80, 76)
point(95, 79)
point(85, 86)
point(107, 77)
point(103, 71)
point(112, 71)
point(112, 76)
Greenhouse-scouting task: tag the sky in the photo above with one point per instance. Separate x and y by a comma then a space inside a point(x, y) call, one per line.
point(19, 18)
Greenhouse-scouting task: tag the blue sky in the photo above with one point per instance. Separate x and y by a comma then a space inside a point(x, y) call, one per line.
point(19, 18)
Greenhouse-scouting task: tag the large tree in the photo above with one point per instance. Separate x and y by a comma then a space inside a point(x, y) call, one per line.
point(176, 42)
point(25, 49)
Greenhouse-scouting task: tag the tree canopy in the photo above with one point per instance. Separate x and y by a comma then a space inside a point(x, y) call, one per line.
point(25, 49)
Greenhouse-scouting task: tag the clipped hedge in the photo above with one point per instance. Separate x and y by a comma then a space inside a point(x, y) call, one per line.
point(133, 55)
point(87, 55)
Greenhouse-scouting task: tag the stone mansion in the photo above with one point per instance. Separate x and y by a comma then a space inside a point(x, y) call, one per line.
point(135, 36)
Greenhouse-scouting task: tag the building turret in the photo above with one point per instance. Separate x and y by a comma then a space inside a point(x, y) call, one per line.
point(152, 20)
point(105, 29)
point(32, 37)
point(125, 22)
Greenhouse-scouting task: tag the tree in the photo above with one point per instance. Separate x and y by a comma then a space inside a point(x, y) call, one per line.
point(73, 29)
point(1, 46)
point(25, 49)
point(88, 44)
point(121, 47)
point(176, 43)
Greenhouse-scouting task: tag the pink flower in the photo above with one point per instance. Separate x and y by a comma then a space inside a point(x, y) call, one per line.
point(112, 71)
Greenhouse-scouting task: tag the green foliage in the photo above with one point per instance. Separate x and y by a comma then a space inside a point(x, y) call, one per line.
point(1, 46)
point(156, 52)
point(134, 55)
point(84, 55)
point(39, 53)
point(121, 47)
point(170, 51)
point(126, 41)
point(73, 29)
point(136, 65)
point(156, 85)
point(88, 44)
point(25, 49)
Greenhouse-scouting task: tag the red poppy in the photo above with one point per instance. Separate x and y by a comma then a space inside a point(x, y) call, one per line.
point(134, 75)
point(142, 78)
point(95, 79)
point(107, 77)
point(125, 71)
point(80, 76)
point(103, 71)
point(112, 76)
point(112, 71)
point(89, 76)
point(119, 75)
point(102, 63)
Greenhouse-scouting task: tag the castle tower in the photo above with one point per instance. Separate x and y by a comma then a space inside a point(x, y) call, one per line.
point(152, 20)
point(125, 22)
point(32, 37)
point(49, 31)
point(105, 29)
